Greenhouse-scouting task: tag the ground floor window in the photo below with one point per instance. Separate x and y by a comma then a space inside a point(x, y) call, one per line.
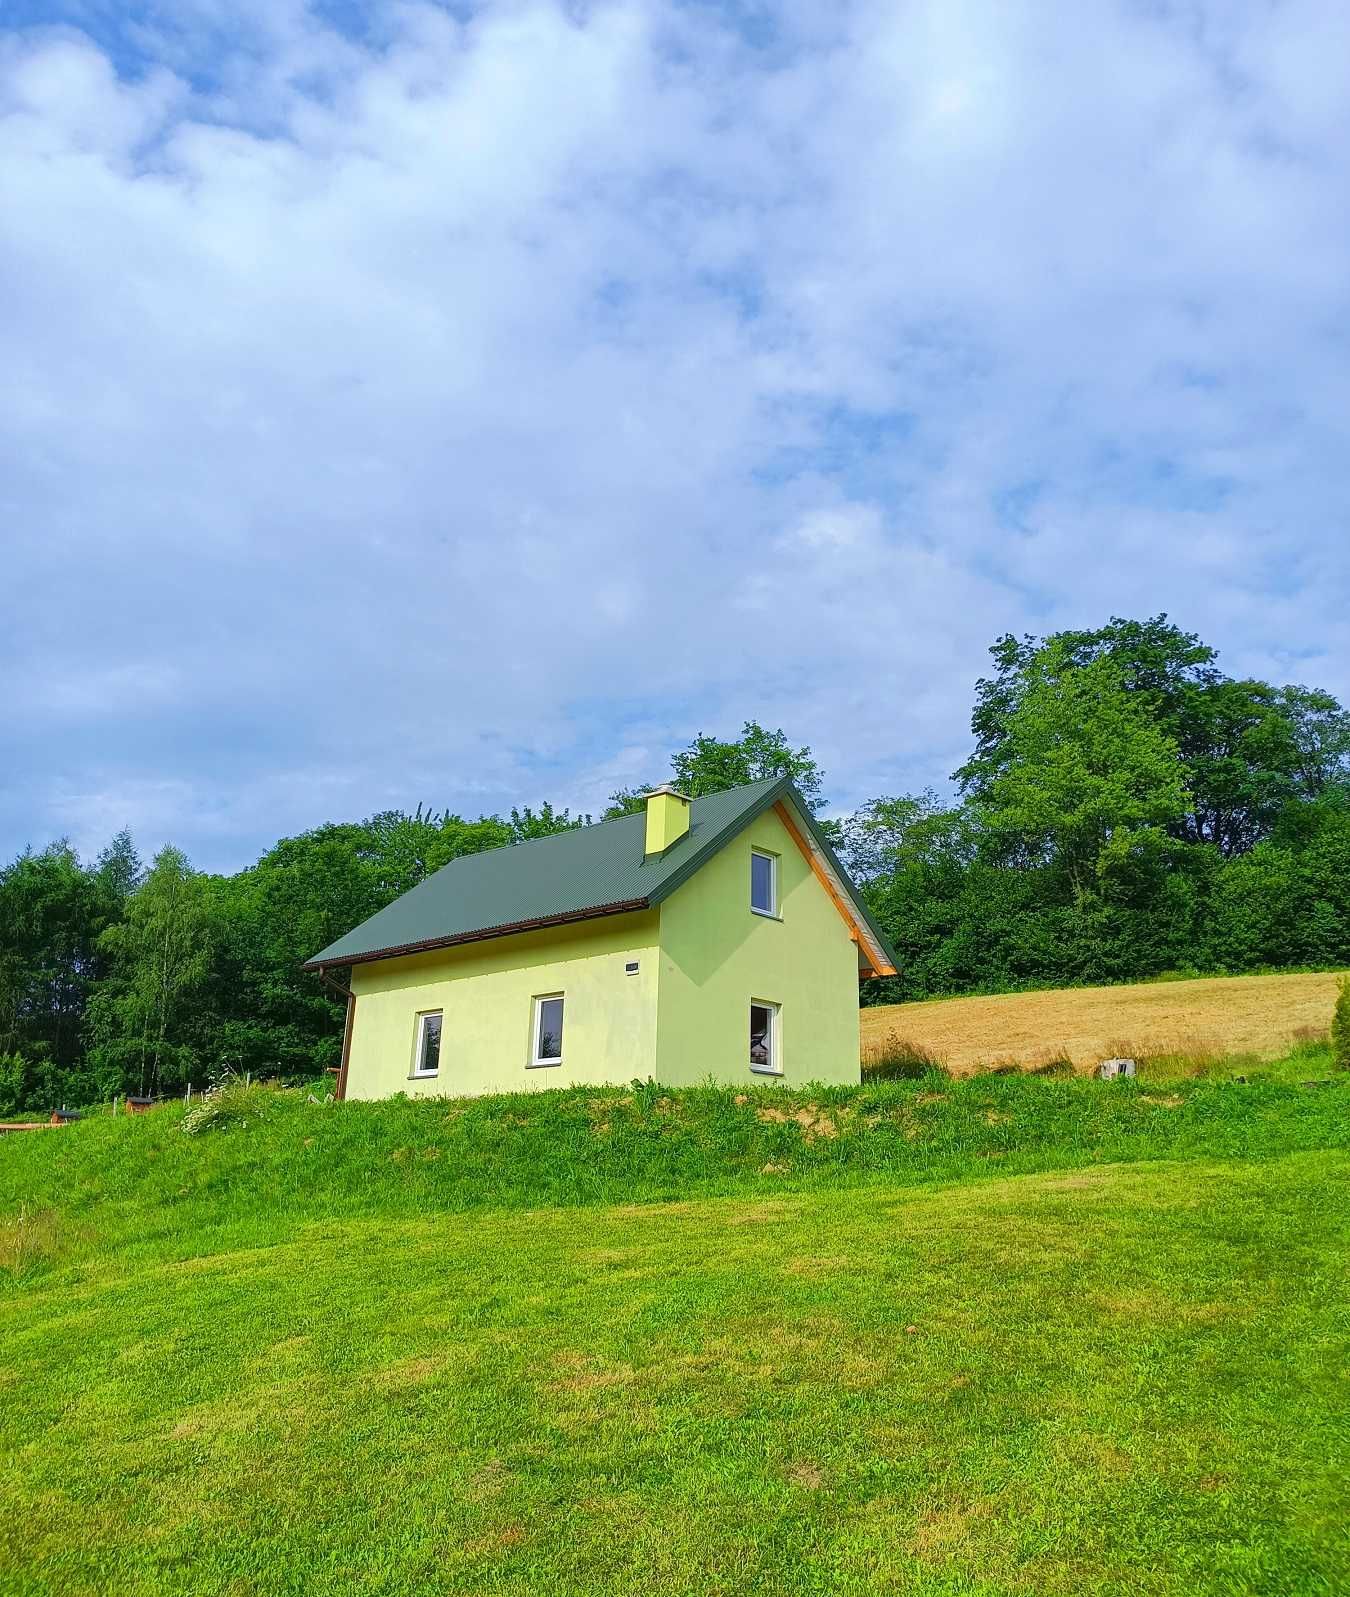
point(764, 1047)
point(547, 1036)
point(427, 1055)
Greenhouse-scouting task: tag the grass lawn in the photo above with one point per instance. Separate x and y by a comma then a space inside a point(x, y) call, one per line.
point(1115, 1377)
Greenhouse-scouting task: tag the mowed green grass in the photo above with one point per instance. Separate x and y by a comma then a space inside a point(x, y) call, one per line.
point(1122, 1378)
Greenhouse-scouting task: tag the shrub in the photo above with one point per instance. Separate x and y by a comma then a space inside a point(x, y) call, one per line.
point(235, 1102)
point(899, 1059)
point(15, 1084)
point(1340, 1027)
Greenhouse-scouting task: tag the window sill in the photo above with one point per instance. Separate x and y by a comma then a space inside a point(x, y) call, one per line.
point(765, 1070)
point(543, 1064)
point(765, 914)
point(424, 1075)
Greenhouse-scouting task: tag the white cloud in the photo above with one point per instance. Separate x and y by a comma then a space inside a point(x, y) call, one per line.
point(471, 411)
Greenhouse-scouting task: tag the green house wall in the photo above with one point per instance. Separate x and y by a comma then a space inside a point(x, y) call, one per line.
point(486, 992)
point(716, 955)
point(702, 956)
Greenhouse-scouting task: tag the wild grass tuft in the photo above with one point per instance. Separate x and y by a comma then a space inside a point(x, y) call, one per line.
point(235, 1103)
point(30, 1239)
point(1051, 1062)
point(897, 1058)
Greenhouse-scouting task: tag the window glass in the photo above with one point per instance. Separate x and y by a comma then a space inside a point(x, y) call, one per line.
point(548, 1038)
point(761, 1037)
point(429, 1046)
point(762, 883)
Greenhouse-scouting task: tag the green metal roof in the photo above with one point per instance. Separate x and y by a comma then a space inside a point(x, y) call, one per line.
point(576, 875)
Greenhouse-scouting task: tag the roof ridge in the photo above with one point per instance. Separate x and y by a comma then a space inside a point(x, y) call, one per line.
point(591, 826)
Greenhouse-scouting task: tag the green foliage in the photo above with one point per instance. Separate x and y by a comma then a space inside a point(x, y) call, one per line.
point(1127, 810)
point(146, 1019)
point(18, 1088)
point(1249, 749)
point(52, 917)
point(118, 867)
point(711, 765)
point(527, 823)
point(1340, 1027)
point(1090, 782)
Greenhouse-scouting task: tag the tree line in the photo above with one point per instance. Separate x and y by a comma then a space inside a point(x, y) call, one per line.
point(1127, 809)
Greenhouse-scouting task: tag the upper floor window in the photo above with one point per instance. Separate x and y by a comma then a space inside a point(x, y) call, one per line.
point(427, 1057)
point(763, 883)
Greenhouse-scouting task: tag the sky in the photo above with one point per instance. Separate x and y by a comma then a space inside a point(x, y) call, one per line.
point(468, 404)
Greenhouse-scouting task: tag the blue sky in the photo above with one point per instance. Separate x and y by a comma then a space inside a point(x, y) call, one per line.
point(467, 404)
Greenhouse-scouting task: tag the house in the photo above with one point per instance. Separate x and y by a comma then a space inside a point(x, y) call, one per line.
point(713, 938)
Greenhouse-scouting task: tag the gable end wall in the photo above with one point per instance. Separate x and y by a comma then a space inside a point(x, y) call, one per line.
point(716, 955)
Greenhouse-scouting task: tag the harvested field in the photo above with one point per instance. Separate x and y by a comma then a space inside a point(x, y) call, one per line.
point(1258, 1015)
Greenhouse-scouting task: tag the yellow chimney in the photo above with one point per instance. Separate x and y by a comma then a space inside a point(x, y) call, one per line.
point(667, 819)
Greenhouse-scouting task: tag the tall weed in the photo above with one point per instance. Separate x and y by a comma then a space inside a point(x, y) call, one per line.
point(29, 1239)
point(1340, 1027)
point(898, 1058)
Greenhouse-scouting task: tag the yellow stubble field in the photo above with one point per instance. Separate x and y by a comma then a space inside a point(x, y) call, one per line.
point(1258, 1015)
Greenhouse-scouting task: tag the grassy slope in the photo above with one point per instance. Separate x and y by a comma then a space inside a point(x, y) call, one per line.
point(1254, 1015)
point(138, 1183)
point(338, 1350)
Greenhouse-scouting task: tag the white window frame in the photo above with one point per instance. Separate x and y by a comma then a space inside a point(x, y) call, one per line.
point(775, 1064)
point(419, 1045)
point(768, 914)
point(536, 1021)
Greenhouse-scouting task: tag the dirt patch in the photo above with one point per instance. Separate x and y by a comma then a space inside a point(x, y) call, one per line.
point(212, 1419)
point(1071, 1183)
point(578, 1373)
point(405, 1373)
point(288, 1345)
point(603, 1256)
point(942, 1530)
point(808, 1475)
point(496, 1541)
point(814, 1121)
point(771, 1213)
point(812, 1267)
